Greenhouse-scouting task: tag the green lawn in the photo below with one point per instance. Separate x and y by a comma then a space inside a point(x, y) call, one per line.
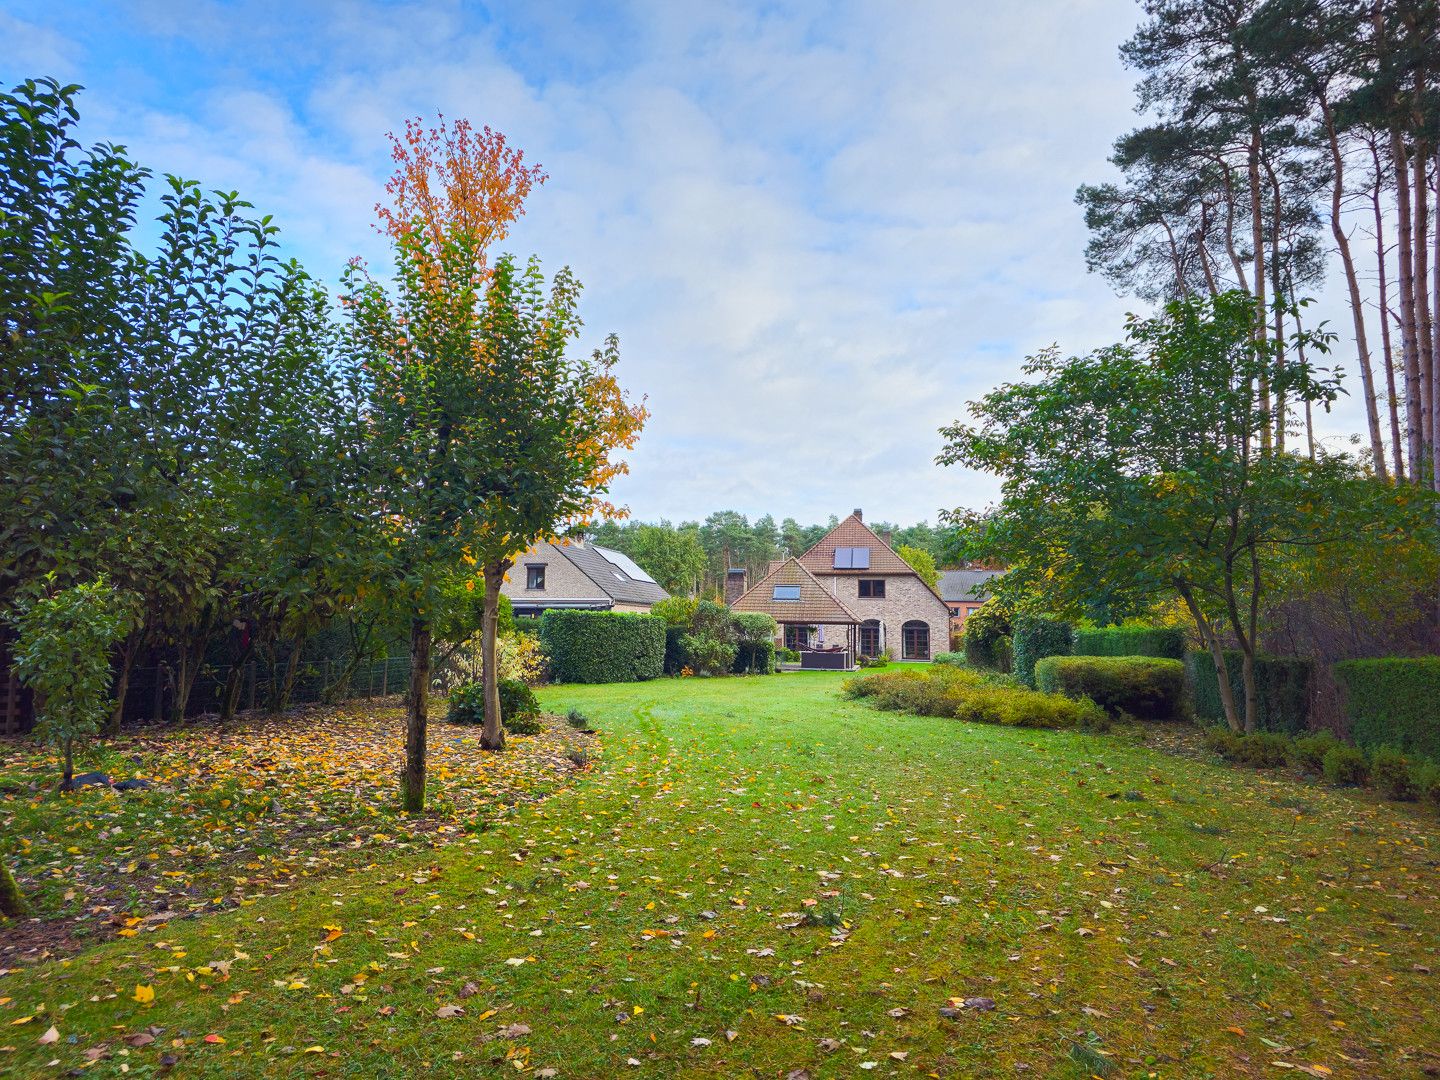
point(1187, 919)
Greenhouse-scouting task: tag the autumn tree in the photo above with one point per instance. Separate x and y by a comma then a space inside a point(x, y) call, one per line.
point(455, 192)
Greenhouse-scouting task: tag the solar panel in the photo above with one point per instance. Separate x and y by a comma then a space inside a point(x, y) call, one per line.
point(852, 558)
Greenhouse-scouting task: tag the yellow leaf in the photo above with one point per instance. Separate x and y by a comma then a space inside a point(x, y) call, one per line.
point(145, 995)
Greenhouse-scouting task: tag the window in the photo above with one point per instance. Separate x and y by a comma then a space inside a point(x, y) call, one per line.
point(915, 641)
point(786, 592)
point(870, 638)
point(797, 637)
point(852, 558)
point(535, 577)
point(872, 588)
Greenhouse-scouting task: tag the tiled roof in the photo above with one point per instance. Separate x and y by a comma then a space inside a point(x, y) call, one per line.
point(610, 576)
point(852, 532)
point(816, 604)
point(966, 585)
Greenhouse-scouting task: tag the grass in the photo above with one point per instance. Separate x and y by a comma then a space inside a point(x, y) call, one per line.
point(760, 876)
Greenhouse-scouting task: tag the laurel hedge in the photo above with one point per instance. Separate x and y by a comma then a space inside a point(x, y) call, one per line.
point(1393, 702)
point(1145, 687)
point(1282, 682)
point(602, 646)
point(1162, 641)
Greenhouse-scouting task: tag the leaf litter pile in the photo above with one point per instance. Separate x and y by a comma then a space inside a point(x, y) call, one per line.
point(236, 813)
point(764, 879)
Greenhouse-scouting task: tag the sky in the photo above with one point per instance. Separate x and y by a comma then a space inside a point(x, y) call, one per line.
point(818, 229)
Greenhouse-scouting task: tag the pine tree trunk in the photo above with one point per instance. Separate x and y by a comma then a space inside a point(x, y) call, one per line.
point(1392, 389)
point(1405, 257)
point(412, 784)
point(1257, 239)
point(1357, 305)
point(1423, 336)
point(492, 735)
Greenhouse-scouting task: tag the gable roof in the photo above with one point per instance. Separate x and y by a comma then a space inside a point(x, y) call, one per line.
point(967, 586)
point(611, 574)
point(816, 604)
point(852, 532)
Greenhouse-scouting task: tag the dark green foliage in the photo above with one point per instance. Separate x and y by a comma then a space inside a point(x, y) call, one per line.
point(954, 659)
point(787, 656)
point(1426, 777)
point(1345, 764)
point(1392, 772)
point(1035, 638)
point(674, 651)
point(968, 695)
point(519, 711)
point(755, 643)
point(1281, 682)
point(1149, 688)
point(1262, 750)
point(1162, 641)
point(467, 704)
point(1307, 752)
point(602, 646)
point(710, 645)
point(527, 624)
point(578, 720)
point(1394, 702)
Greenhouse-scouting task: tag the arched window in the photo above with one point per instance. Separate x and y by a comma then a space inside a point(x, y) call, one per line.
point(915, 640)
point(870, 637)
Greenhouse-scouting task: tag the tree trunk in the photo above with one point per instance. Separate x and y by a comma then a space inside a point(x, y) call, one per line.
point(122, 682)
point(68, 765)
point(235, 679)
point(1352, 284)
point(1406, 284)
point(1217, 657)
point(492, 735)
point(1392, 390)
point(412, 782)
point(12, 904)
point(1252, 697)
point(1420, 252)
point(292, 668)
point(1257, 239)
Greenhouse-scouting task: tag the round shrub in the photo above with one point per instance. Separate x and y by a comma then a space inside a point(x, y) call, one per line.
point(1308, 751)
point(1145, 687)
point(1345, 764)
point(987, 635)
point(1426, 777)
point(1390, 771)
point(466, 704)
point(1262, 750)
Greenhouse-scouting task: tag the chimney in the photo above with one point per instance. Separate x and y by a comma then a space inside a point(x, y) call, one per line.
point(734, 584)
point(858, 515)
point(885, 539)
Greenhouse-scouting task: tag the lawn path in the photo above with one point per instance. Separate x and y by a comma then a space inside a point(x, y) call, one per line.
point(761, 877)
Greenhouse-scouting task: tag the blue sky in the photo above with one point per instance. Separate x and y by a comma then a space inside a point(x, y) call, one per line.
point(818, 229)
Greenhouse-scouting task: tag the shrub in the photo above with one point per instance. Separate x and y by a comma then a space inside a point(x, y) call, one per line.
point(1162, 641)
point(787, 656)
point(602, 646)
point(676, 610)
point(871, 661)
point(1425, 775)
point(519, 711)
point(1393, 702)
point(1282, 683)
point(1390, 771)
point(954, 659)
point(1035, 638)
point(1307, 752)
point(960, 694)
point(578, 720)
point(1263, 750)
point(755, 644)
point(527, 624)
point(521, 657)
point(987, 635)
point(1345, 764)
point(707, 654)
point(466, 704)
point(1145, 687)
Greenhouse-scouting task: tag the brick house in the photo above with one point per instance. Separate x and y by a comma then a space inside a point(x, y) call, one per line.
point(964, 591)
point(850, 594)
point(579, 575)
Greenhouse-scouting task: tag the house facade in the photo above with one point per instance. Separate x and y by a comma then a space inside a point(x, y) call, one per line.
point(877, 605)
point(579, 575)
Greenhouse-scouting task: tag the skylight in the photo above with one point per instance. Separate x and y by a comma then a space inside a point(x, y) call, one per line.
point(786, 592)
point(852, 558)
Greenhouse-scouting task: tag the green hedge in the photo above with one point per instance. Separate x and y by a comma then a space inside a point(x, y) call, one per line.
point(1147, 687)
point(969, 695)
point(1393, 701)
point(602, 646)
point(1282, 683)
point(1035, 638)
point(1162, 641)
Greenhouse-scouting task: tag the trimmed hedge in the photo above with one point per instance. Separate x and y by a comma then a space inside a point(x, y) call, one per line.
point(1394, 702)
point(1150, 688)
point(1161, 641)
point(602, 646)
point(1282, 683)
point(1035, 638)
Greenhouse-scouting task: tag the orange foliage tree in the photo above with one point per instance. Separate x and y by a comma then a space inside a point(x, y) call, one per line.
point(463, 360)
